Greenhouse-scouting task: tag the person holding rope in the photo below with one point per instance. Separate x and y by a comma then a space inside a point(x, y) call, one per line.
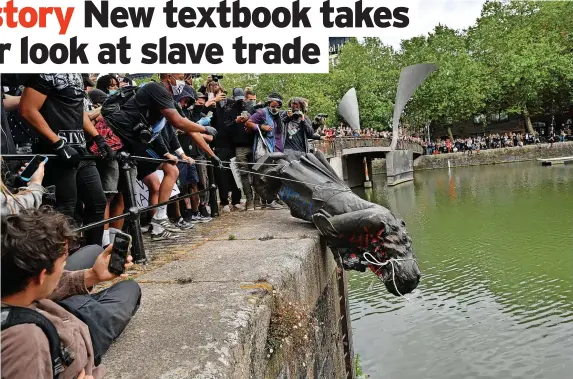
point(267, 125)
point(196, 178)
point(139, 122)
point(53, 104)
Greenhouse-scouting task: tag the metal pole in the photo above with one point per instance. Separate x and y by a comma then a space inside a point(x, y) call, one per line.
point(132, 226)
point(212, 192)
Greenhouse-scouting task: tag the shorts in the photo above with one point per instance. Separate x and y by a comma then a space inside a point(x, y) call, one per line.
point(109, 174)
point(187, 174)
point(145, 168)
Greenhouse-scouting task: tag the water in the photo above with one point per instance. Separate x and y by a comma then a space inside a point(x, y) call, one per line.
point(495, 246)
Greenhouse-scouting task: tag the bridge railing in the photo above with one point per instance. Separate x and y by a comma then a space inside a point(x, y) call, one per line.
point(333, 147)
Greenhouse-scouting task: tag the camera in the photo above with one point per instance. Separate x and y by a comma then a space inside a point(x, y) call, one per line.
point(321, 115)
point(193, 75)
point(216, 77)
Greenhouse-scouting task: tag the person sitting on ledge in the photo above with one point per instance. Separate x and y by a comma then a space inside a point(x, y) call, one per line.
point(35, 246)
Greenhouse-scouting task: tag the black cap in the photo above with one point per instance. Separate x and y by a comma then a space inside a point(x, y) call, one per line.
point(238, 94)
point(201, 95)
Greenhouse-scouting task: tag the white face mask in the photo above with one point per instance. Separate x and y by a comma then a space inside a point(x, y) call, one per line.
point(178, 87)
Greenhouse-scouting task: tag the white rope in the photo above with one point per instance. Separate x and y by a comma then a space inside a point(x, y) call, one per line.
point(376, 262)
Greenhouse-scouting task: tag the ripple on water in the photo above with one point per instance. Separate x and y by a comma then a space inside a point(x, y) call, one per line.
point(496, 299)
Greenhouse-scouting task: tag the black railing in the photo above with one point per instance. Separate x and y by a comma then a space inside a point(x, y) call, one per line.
point(126, 164)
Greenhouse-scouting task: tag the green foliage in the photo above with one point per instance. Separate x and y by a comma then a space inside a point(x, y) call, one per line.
point(358, 367)
point(518, 57)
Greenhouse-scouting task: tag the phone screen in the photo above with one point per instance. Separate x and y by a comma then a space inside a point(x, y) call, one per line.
point(33, 165)
point(119, 253)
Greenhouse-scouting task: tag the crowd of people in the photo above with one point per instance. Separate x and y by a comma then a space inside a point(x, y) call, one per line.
point(345, 131)
point(86, 121)
point(489, 141)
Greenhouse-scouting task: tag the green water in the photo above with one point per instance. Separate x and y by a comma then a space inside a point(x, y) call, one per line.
point(495, 246)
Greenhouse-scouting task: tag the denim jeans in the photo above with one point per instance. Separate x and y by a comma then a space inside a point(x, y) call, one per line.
point(84, 183)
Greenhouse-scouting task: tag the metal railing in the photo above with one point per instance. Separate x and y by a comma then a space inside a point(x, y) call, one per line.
point(333, 147)
point(127, 184)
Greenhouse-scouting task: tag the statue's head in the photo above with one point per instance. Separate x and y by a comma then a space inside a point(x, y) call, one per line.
point(399, 270)
point(375, 238)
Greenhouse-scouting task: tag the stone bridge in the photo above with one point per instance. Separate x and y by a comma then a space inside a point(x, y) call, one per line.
point(352, 158)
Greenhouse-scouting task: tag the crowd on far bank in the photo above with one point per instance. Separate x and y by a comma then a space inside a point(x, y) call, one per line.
point(344, 131)
point(492, 141)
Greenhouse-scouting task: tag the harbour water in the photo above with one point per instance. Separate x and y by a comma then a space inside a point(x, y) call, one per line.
point(495, 246)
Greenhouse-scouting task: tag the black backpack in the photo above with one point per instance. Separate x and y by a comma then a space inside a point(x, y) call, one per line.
point(114, 102)
point(12, 316)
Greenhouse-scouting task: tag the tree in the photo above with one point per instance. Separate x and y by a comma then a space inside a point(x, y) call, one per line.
point(457, 90)
point(525, 55)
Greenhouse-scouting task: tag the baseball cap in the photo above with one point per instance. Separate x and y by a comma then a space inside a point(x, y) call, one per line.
point(238, 94)
point(201, 95)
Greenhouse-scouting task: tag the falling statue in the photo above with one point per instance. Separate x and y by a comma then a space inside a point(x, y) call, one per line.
point(360, 234)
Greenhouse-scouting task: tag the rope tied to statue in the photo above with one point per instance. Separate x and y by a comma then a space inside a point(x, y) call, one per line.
point(391, 261)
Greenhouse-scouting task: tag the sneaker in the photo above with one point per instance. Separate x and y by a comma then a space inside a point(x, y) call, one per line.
point(184, 225)
point(226, 209)
point(274, 205)
point(145, 229)
point(165, 224)
point(164, 235)
point(205, 212)
point(240, 207)
point(198, 217)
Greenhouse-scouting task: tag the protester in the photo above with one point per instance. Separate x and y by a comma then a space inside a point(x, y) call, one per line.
point(196, 206)
point(54, 105)
point(108, 170)
point(267, 125)
point(27, 197)
point(233, 135)
point(153, 106)
point(223, 144)
point(298, 126)
point(108, 84)
point(243, 139)
point(35, 247)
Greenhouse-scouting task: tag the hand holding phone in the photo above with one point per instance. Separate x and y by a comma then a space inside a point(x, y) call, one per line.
point(31, 171)
point(119, 253)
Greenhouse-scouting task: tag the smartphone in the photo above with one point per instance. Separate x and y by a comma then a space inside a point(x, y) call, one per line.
point(33, 165)
point(119, 253)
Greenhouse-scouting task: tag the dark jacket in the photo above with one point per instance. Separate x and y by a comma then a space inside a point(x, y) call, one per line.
point(306, 125)
point(241, 137)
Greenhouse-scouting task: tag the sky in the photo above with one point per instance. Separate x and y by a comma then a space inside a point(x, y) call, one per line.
point(456, 14)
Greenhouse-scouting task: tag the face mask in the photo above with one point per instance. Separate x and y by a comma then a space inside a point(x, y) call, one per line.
point(112, 91)
point(274, 111)
point(178, 87)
